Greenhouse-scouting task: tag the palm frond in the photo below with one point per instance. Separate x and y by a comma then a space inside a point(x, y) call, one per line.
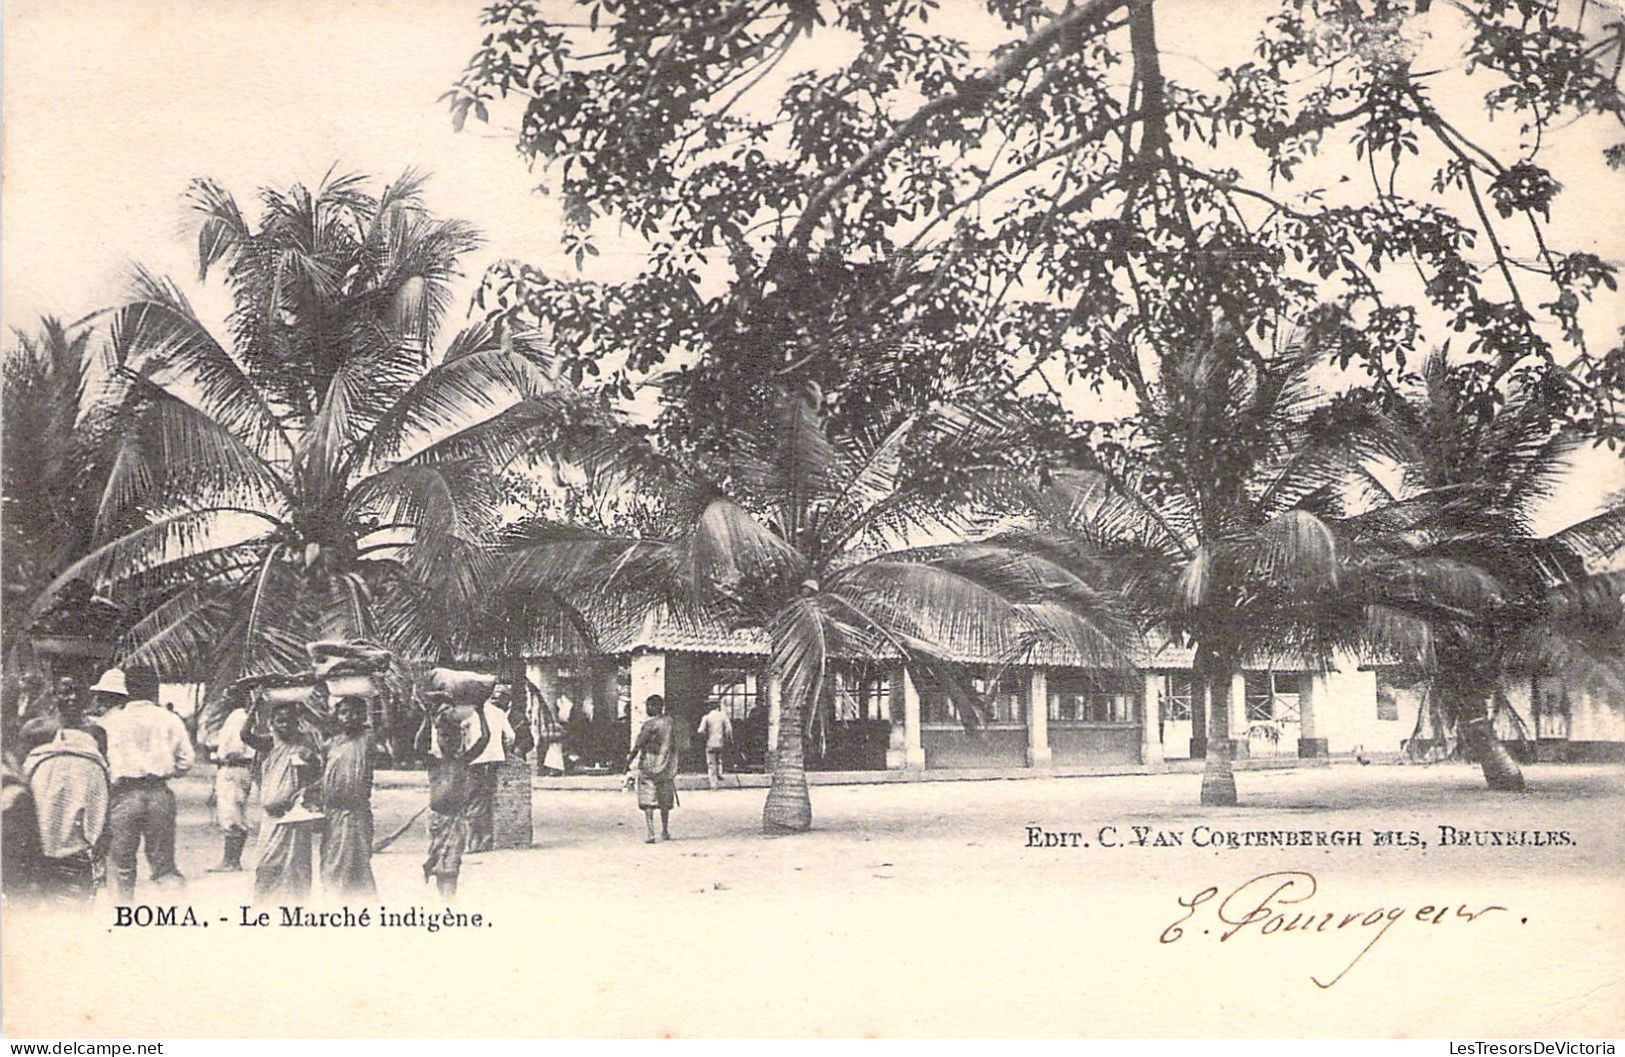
point(166, 539)
point(222, 231)
point(157, 334)
point(170, 447)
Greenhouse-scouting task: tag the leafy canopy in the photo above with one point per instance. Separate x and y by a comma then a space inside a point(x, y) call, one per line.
point(892, 197)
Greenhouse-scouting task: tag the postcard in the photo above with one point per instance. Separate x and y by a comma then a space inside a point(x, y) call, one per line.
point(813, 519)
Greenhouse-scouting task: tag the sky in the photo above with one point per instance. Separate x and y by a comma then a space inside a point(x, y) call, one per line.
point(112, 106)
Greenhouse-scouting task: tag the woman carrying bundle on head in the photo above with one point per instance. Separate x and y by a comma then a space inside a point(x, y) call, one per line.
point(451, 787)
point(290, 782)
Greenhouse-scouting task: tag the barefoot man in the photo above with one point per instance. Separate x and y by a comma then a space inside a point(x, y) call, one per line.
point(451, 789)
point(657, 754)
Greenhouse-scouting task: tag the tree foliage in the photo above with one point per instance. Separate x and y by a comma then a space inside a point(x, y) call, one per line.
point(837, 546)
point(1472, 479)
point(57, 421)
point(866, 194)
point(320, 473)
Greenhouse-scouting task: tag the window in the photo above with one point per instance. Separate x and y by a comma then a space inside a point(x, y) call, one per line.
point(1387, 704)
point(1005, 702)
point(1272, 696)
point(735, 689)
point(1177, 697)
point(862, 692)
point(936, 703)
point(1549, 700)
point(1091, 696)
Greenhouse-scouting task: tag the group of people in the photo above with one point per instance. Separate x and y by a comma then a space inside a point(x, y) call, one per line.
point(464, 745)
point(93, 789)
point(316, 794)
point(95, 779)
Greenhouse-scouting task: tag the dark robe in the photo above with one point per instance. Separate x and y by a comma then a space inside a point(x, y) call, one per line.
point(283, 872)
point(347, 803)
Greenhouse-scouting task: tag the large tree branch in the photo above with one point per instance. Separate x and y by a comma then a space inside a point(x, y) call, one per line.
point(972, 94)
point(1093, 134)
point(1155, 143)
point(1306, 123)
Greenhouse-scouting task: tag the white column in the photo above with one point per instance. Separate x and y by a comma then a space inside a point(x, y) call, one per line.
point(1150, 725)
point(913, 751)
point(538, 673)
point(1038, 750)
point(775, 691)
point(648, 677)
point(896, 741)
point(1311, 693)
point(1238, 714)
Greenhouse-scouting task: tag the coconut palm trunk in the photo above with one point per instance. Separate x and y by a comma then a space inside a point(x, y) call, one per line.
point(1218, 772)
point(789, 806)
point(1501, 772)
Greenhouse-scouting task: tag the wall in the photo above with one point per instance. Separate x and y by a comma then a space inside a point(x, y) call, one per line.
point(990, 747)
point(1593, 717)
point(1347, 716)
point(1072, 744)
point(1589, 722)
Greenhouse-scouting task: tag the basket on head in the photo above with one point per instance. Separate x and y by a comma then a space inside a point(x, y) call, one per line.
point(348, 668)
point(467, 689)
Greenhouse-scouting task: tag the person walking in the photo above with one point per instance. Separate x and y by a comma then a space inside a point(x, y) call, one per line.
point(549, 733)
point(233, 781)
point(483, 773)
point(451, 789)
point(347, 805)
point(290, 771)
point(146, 746)
point(656, 754)
point(72, 791)
point(718, 732)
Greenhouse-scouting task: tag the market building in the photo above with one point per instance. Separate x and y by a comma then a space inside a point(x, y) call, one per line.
point(1051, 711)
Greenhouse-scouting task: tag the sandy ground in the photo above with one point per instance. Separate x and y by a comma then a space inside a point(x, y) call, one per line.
point(912, 910)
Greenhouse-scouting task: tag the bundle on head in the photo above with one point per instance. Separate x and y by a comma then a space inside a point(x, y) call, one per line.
point(349, 668)
point(466, 689)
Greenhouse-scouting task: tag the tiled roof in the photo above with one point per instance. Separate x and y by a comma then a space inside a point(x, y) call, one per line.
point(663, 630)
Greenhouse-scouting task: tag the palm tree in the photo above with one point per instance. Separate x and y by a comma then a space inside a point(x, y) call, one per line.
point(1475, 469)
point(1216, 508)
point(836, 547)
point(315, 475)
point(51, 489)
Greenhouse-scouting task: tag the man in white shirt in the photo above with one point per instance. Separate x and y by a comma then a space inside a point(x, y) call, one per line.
point(718, 730)
point(484, 773)
point(72, 791)
point(233, 780)
point(146, 746)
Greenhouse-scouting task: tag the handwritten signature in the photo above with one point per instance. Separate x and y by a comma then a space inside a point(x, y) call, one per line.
point(1274, 903)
